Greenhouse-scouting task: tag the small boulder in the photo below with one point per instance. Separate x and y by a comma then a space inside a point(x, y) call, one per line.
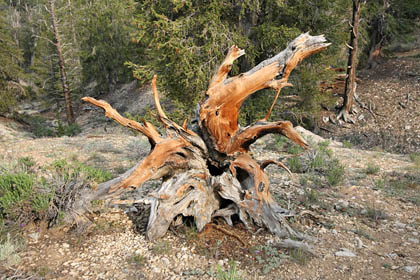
point(345, 253)
point(410, 268)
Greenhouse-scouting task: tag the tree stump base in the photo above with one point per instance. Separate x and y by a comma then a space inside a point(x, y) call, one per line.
point(206, 171)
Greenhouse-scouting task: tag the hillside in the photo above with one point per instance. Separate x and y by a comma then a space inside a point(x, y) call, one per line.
point(390, 119)
point(364, 226)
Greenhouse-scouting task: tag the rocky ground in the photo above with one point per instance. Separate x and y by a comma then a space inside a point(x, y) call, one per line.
point(365, 227)
point(390, 117)
point(358, 229)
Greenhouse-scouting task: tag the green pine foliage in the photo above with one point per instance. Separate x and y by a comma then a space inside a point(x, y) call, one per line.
point(105, 42)
point(184, 44)
point(10, 65)
point(95, 39)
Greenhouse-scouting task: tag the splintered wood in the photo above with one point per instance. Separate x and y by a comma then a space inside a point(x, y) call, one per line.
point(206, 170)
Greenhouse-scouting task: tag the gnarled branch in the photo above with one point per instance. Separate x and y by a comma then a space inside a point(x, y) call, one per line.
point(241, 141)
point(147, 129)
point(219, 111)
point(205, 169)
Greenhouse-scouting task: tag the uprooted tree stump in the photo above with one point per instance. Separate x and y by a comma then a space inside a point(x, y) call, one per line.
point(206, 169)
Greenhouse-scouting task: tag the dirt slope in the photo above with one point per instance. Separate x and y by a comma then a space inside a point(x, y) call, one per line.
point(380, 227)
point(366, 227)
point(391, 95)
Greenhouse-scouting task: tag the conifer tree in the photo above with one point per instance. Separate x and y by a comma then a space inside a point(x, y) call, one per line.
point(186, 40)
point(10, 65)
point(62, 63)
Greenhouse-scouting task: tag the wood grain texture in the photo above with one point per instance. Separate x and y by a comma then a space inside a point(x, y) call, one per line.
point(208, 172)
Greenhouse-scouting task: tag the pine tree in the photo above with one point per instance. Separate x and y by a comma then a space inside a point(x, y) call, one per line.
point(181, 41)
point(94, 45)
point(10, 70)
point(105, 42)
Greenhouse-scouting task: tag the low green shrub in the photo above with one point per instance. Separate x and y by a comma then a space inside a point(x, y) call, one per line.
point(26, 196)
point(375, 214)
point(231, 274)
point(311, 197)
point(91, 173)
point(15, 192)
point(295, 165)
point(280, 141)
point(23, 197)
point(300, 256)
point(162, 247)
point(26, 162)
point(319, 165)
point(372, 169)
point(295, 149)
point(363, 232)
point(380, 184)
point(323, 148)
point(41, 128)
point(318, 162)
point(138, 260)
point(415, 157)
point(269, 257)
point(347, 144)
point(67, 130)
point(335, 173)
point(415, 199)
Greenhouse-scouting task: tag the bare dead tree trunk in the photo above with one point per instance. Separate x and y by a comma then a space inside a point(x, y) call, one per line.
point(350, 85)
point(63, 73)
point(378, 26)
point(206, 171)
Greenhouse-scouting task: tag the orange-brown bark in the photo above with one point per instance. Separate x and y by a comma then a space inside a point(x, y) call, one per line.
point(278, 84)
point(147, 128)
point(224, 69)
point(219, 112)
point(266, 163)
point(242, 140)
point(253, 170)
point(162, 116)
point(167, 154)
point(201, 168)
point(166, 157)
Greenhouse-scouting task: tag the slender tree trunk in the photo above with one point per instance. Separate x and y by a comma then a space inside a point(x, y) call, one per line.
point(378, 25)
point(350, 86)
point(63, 73)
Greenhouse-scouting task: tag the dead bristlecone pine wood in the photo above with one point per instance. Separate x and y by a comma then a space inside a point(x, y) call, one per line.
point(205, 168)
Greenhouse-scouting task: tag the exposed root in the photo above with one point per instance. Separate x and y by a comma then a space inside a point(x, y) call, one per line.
point(277, 84)
point(343, 114)
point(221, 229)
point(201, 169)
point(266, 163)
point(293, 244)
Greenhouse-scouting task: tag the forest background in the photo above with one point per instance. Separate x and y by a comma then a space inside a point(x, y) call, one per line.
point(53, 52)
point(104, 44)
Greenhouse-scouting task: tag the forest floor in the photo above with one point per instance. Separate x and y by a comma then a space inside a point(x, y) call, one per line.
point(366, 227)
point(390, 119)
